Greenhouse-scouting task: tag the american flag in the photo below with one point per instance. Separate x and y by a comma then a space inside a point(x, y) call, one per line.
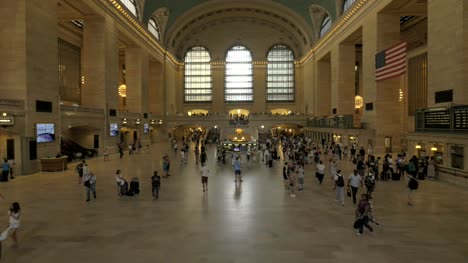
point(391, 62)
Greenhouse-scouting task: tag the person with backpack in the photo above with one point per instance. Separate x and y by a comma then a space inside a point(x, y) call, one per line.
point(413, 185)
point(369, 181)
point(339, 184)
point(155, 185)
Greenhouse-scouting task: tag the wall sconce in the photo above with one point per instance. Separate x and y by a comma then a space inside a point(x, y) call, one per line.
point(358, 102)
point(6, 120)
point(123, 90)
point(152, 122)
point(216, 126)
point(433, 148)
point(400, 95)
point(263, 126)
point(160, 122)
point(137, 122)
point(418, 146)
point(189, 113)
point(124, 122)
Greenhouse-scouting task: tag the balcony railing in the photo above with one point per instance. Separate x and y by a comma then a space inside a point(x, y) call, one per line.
point(338, 122)
point(9, 104)
point(451, 119)
point(79, 109)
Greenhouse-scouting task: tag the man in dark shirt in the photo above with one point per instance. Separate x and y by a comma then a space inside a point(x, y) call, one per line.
point(155, 184)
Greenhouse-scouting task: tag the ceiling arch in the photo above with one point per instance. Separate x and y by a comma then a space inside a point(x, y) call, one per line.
point(260, 23)
point(180, 7)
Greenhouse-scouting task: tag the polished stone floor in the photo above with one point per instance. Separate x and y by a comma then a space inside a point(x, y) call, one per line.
point(253, 222)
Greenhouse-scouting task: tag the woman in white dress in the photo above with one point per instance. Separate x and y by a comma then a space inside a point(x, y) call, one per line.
point(431, 168)
point(14, 220)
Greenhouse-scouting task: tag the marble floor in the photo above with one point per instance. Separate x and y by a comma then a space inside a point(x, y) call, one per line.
point(253, 222)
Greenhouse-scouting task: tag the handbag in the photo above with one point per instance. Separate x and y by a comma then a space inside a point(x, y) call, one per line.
point(357, 223)
point(348, 193)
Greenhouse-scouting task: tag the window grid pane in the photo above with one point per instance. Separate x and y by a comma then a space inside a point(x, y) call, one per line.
point(326, 25)
point(238, 75)
point(280, 74)
point(347, 5)
point(198, 84)
point(153, 28)
point(131, 6)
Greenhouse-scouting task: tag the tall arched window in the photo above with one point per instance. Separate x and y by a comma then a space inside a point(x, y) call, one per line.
point(326, 25)
point(153, 28)
point(198, 86)
point(347, 4)
point(131, 5)
point(280, 74)
point(239, 75)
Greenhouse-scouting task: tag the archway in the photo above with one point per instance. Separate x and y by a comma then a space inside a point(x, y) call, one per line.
point(82, 141)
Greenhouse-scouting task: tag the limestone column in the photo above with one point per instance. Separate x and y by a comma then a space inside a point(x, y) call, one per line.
point(155, 89)
point(379, 34)
point(28, 72)
point(136, 76)
point(323, 88)
point(447, 49)
point(100, 63)
point(259, 83)
point(100, 58)
point(342, 78)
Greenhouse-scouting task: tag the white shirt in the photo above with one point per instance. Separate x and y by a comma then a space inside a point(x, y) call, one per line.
point(321, 168)
point(300, 172)
point(205, 171)
point(355, 180)
point(119, 180)
point(14, 219)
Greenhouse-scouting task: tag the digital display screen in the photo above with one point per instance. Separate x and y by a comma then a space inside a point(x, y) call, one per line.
point(146, 128)
point(45, 132)
point(114, 129)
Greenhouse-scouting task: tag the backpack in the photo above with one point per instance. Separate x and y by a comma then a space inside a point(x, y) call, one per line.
point(340, 181)
point(368, 181)
point(413, 184)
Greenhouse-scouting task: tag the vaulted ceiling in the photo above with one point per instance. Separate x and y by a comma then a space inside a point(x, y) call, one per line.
point(219, 24)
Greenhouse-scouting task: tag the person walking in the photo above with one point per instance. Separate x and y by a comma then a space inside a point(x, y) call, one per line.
point(12, 164)
point(339, 184)
point(237, 170)
point(121, 151)
point(119, 180)
point(362, 214)
point(300, 177)
point(320, 172)
point(14, 223)
point(79, 170)
point(89, 181)
point(354, 181)
point(5, 170)
point(205, 172)
point(106, 154)
point(412, 186)
point(155, 185)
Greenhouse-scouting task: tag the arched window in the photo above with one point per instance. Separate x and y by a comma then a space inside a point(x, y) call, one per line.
point(326, 25)
point(153, 28)
point(347, 4)
point(239, 75)
point(131, 5)
point(280, 74)
point(198, 86)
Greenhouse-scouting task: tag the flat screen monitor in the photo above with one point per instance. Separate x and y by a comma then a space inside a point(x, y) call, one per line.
point(236, 149)
point(114, 129)
point(146, 128)
point(45, 132)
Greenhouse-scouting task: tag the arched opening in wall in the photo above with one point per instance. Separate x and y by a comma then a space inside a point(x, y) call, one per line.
point(197, 112)
point(239, 112)
point(80, 142)
point(189, 133)
point(281, 112)
point(286, 129)
point(129, 136)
